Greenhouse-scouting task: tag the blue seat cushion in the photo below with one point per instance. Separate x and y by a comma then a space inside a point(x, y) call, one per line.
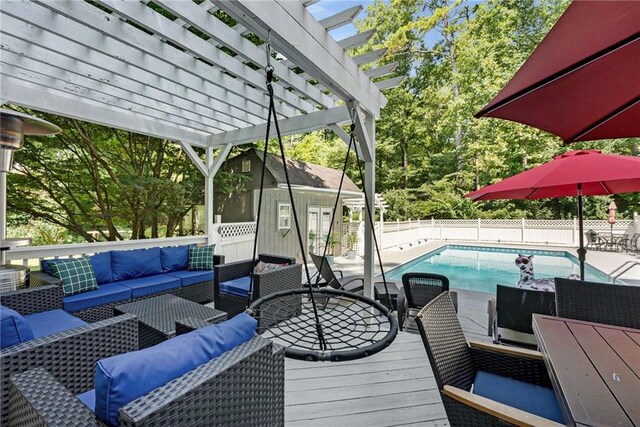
point(150, 285)
point(531, 398)
point(105, 294)
point(123, 378)
point(189, 277)
point(137, 263)
point(238, 287)
point(14, 329)
point(174, 258)
point(102, 267)
point(51, 322)
point(89, 399)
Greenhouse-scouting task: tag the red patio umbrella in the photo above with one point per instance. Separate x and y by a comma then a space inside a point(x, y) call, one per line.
point(576, 173)
point(582, 82)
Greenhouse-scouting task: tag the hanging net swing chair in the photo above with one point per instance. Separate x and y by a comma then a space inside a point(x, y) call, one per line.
point(316, 323)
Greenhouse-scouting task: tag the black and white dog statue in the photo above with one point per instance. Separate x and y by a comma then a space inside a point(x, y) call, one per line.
point(528, 281)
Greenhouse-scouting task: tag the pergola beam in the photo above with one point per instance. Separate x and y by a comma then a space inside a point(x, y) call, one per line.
point(381, 71)
point(341, 18)
point(369, 57)
point(390, 83)
point(298, 124)
point(219, 160)
point(356, 40)
point(197, 161)
point(30, 95)
point(299, 37)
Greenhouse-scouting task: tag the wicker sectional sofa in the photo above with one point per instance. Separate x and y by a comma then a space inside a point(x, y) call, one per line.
point(118, 283)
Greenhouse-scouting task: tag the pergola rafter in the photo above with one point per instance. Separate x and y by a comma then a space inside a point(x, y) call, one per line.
point(176, 69)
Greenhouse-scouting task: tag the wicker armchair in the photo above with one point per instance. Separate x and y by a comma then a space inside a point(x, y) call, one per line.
point(455, 364)
point(243, 387)
point(201, 293)
point(510, 314)
point(71, 355)
point(265, 283)
point(598, 302)
point(419, 290)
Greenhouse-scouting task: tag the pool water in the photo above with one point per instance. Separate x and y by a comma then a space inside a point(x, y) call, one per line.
point(479, 268)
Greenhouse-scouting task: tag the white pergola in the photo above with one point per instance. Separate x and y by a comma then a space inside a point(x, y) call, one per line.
point(187, 76)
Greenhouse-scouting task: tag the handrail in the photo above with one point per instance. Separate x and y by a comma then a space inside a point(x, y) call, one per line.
point(623, 268)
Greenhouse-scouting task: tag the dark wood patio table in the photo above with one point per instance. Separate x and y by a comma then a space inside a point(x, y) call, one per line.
point(157, 316)
point(594, 368)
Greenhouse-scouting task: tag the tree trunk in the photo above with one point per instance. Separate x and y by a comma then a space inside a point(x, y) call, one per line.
point(405, 162)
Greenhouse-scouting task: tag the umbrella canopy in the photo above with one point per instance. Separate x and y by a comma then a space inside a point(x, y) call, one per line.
point(581, 83)
point(576, 173)
point(598, 173)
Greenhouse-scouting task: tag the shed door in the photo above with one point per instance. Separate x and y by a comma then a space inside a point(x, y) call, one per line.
point(318, 220)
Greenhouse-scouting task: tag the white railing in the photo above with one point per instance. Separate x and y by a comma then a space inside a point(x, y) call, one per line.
point(233, 240)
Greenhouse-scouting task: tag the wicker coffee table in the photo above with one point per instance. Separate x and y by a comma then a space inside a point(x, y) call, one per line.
point(157, 316)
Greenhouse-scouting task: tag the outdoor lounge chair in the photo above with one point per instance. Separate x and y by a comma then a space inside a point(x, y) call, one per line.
point(594, 241)
point(598, 302)
point(419, 289)
point(484, 384)
point(510, 314)
point(231, 292)
point(225, 378)
point(632, 244)
point(353, 283)
point(69, 355)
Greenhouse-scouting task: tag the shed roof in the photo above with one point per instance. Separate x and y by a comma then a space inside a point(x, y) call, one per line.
point(306, 174)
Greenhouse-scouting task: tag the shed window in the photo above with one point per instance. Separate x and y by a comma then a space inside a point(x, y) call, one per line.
point(284, 216)
point(246, 165)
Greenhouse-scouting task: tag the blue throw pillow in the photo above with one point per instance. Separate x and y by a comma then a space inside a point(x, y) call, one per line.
point(45, 264)
point(136, 263)
point(174, 258)
point(123, 378)
point(102, 267)
point(14, 329)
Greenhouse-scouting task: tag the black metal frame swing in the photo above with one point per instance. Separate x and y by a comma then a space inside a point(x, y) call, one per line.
point(321, 324)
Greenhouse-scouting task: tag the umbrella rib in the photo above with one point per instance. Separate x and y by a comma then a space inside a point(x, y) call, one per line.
point(560, 74)
point(602, 121)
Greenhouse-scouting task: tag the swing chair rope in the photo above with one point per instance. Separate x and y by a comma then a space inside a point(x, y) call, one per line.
point(273, 115)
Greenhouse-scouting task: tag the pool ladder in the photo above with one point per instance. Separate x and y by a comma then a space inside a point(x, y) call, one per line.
point(616, 273)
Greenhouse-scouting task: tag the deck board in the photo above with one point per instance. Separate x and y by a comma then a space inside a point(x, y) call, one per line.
point(395, 387)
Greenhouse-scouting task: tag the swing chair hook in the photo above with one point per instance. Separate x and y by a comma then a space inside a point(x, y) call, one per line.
point(269, 67)
point(352, 127)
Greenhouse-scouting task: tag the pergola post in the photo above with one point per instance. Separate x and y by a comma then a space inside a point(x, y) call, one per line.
point(366, 131)
point(208, 197)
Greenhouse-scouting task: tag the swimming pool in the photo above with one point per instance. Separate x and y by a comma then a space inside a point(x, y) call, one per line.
point(480, 268)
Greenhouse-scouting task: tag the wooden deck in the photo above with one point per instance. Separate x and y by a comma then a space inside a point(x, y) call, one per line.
point(392, 388)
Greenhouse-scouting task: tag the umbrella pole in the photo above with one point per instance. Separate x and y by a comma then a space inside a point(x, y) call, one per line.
point(582, 252)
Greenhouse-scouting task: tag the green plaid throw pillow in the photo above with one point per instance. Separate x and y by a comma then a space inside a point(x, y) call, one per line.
point(201, 258)
point(76, 274)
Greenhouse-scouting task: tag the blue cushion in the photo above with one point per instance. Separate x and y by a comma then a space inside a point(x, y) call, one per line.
point(105, 294)
point(51, 322)
point(102, 267)
point(238, 287)
point(189, 277)
point(123, 378)
point(531, 398)
point(45, 264)
point(14, 329)
point(150, 284)
point(89, 399)
point(174, 258)
point(137, 263)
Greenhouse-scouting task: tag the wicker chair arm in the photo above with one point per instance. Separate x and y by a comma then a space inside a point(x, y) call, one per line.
point(276, 259)
point(33, 300)
point(218, 259)
point(520, 364)
point(38, 399)
point(338, 273)
point(232, 270)
point(40, 278)
point(500, 411)
point(70, 355)
point(491, 312)
point(281, 279)
point(236, 388)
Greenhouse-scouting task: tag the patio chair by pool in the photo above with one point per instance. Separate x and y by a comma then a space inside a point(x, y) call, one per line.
point(353, 283)
point(598, 302)
point(419, 290)
point(593, 240)
point(218, 375)
point(510, 314)
point(484, 384)
point(37, 333)
point(232, 281)
point(632, 244)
